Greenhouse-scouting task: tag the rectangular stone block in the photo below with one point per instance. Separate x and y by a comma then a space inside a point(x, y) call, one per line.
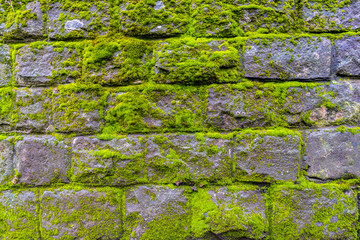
point(42, 64)
point(81, 213)
point(186, 158)
point(7, 168)
point(41, 161)
point(288, 59)
point(5, 65)
point(235, 18)
point(154, 109)
point(80, 19)
point(332, 153)
point(321, 16)
point(23, 20)
point(163, 18)
point(122, 62)
point(119, 161)
point(313, 211)
point(306, 105)
point(189, 61)
point(346, 56)
point(233, 212)
point(156, 212)
point(19, 211)
point(78, 108)
point(267, 156)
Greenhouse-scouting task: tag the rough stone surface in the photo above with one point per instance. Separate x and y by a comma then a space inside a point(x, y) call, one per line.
point(6, 161)
point(316, 212)
point(331, 154)
point(114, 162)
point(162, 19)
point(289, 59)
point(335, 16)
point(46, 65)
point(5, 65)
point(229, 213)
point(67, 21)
point(183, 61)
point(41, 161)
point(19, 214)
point(156, 212)
point(81, 214)
point(267, 157)
point(187, 157)
point(346, 58)
point(169, 109)
point(25, 22)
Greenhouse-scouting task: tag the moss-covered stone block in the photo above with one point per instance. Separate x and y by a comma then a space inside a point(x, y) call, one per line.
point(236, 18)
point(119, 62)
point(313, 211)
point(80, 19)
point(118, 162)
point(155, 108)
point(33, 107)
point(44, 64)
point(19, 211)
point(267, 155)
point(5, 65)
point(78, 108)
point(328, 16)
point(81, 213)
point(332, 153)
point(41, 161)
point(288, 59)
point(156, 212)
point(188, 158)
point(196, 61)
point(233, 212)
point(23, 20)
point(161, 18)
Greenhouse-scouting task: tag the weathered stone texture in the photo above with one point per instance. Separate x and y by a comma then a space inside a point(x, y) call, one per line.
point(314, 212)
point(161, 18)
point(44, 64)
point(19, 211)
point(332, 154)
point(5, 65)
point(114, 162)
point(288, 59)
point(320, 16)
point(7, 168)
point(80, 19)
point(268, 157)
point(188, 157)
point(156, 212)
point(41, 161)
point(80, 214)
point(346, 59)
point(229, 213)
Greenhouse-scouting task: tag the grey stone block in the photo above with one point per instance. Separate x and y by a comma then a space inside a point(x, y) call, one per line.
point(43, 64)
point(41, 161)
point(288, 59)
point(81, 213)
point(268, 157)
point(83, 19)
point(156, 212)
point(346, 58)
point(5, 65)
point(7, 170)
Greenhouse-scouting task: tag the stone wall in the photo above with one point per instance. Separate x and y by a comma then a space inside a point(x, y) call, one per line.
point(179, 119)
